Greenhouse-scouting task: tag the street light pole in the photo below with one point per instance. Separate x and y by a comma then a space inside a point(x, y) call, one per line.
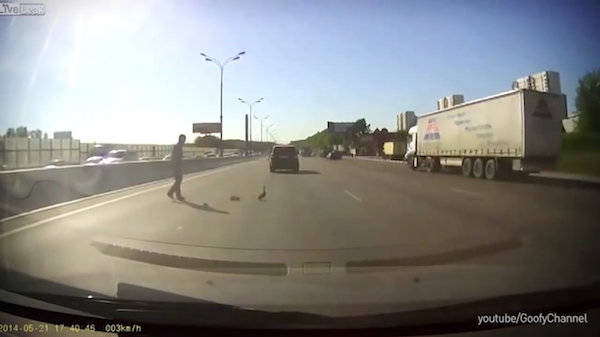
point(267, 131)
point(261, 125)
point(250, 105)
point(221, 115)
point(221, 67)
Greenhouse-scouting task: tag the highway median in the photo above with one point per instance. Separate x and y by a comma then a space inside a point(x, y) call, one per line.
point(30, 189)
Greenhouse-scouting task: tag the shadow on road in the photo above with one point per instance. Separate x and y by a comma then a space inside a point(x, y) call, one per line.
point(299, 172)
point(204, 207)
point(518, 178)
point(549, 181)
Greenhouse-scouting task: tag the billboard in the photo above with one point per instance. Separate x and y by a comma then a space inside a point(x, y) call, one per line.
point(206, 127)
point(339, 127)
point(62, 135)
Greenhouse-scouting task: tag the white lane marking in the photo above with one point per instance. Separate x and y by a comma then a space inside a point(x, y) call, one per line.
point(353, 196)
point(458, 190)
point(64, 215)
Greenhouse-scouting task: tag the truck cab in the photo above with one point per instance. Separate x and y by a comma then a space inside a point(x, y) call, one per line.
point(411, 146)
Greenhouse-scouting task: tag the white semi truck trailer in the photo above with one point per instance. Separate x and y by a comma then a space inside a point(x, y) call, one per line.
point(518, 130)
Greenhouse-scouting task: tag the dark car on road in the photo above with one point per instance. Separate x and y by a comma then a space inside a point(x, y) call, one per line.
point(306, 152)
point(334, 155)
point(284, 157)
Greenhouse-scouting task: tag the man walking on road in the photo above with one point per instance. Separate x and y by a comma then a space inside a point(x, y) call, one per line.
point(176, 160)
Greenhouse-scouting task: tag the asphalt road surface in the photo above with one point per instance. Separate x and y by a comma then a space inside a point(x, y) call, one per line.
point(370, 235)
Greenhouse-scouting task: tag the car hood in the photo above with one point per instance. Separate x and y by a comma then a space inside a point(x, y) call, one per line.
point(331, 282)
point(162, 307)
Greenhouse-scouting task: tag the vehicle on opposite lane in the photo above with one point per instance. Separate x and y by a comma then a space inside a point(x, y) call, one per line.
point(56, 163)
point(119, 156)
point(306, 152)
point(94, 160)
point(284, 157)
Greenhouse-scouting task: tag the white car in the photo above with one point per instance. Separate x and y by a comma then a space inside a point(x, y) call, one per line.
point(119, 156)
point(56, 163)
point(185, 156)
point(94, 160)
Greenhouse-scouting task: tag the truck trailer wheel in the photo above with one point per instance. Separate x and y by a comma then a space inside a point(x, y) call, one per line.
point(467, 167)
point(491, 169)
point(428, 164)
point(478, 168)
point(432, 164)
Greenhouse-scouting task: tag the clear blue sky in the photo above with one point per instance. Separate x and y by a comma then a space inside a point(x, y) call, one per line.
point(130, 71)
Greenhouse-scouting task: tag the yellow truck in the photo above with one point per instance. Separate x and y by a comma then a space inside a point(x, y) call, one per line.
point(394, 150)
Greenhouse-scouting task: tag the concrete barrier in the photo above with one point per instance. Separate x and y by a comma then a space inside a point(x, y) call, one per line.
point(29, 189)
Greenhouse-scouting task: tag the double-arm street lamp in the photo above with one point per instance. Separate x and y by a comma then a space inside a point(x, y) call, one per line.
point(267, 131)
point(221, 66)
point(250, 105)
point(261, 125)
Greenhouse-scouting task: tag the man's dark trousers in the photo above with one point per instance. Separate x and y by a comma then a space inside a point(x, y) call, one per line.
point(176, 188)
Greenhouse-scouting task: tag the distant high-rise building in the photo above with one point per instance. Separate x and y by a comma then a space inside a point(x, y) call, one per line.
point(406, 120)
point(547, 81)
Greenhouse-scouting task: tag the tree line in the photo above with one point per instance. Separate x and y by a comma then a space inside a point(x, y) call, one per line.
point(22, 132)
point(358, 136)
